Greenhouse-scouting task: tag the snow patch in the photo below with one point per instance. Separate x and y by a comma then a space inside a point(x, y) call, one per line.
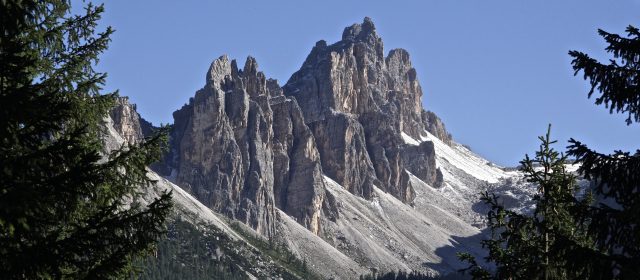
point(460, 157)
point(409, 140)
point(465, 160)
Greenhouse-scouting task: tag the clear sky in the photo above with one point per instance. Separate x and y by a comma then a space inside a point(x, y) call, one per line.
point(496, 72)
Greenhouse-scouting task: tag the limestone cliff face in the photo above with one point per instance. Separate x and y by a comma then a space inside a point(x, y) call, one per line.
point(242, 148)
point(343, 149)
point(348, 125)
point(299, 188)
point(436, 127)
point(359, 104)
point(128, 123)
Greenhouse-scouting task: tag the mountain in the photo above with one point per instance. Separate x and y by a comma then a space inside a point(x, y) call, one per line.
point(341, 167)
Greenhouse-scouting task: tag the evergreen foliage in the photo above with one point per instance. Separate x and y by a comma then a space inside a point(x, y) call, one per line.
point(592, 233)
point(195, 250)
point(402, 275)
point(537, 245)
point(68, 207)
point(288, 265)
point(615, 221)
point(619, 81)
point(189, 253)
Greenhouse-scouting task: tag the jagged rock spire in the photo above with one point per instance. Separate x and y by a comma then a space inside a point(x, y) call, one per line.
point(360, 32)
point(359, 104)
point(244, 146)
point(243, 149)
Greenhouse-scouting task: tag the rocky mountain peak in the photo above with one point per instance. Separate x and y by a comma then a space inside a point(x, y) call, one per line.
point(361, 107)
point(219, 69)
point(250, 66)
point(342, 160)
point(353, 76)
point(245, 147)
point(365, 32)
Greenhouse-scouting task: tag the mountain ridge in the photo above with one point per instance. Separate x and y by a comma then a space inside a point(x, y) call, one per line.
point(340, 163)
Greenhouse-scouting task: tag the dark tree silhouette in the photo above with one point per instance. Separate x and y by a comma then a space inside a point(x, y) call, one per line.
point(66, 207)
point(594, 235)
point(538, 245)
point(615, 220)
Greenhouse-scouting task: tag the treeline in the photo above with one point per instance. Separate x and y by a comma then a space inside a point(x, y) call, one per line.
point(202, 251)
point(189, 253)
point(402, 275)
point(289, 266)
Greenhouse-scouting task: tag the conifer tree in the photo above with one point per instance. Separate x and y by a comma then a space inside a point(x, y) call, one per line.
point(593, 233)
point(66, 206)
point(536, 245)
point(615, 219)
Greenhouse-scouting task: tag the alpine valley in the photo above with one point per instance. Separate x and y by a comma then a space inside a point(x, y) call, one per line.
point(338, 173)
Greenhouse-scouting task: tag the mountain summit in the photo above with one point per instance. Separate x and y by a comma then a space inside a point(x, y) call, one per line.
point(341, 165)
point(359, 104)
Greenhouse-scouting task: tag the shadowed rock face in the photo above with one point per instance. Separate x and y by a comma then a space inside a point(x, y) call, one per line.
point(341, 140)
point(358, 103)
point(242, 148)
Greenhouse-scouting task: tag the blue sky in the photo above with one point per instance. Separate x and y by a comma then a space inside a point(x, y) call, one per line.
point(496, 72)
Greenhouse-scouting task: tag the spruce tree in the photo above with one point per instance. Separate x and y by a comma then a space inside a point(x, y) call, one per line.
point(592, 233)
point(536, 245)
point(66, 206)
point(615, 219)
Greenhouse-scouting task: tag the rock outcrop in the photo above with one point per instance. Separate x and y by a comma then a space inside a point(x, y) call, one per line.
point(342, 165)
point(359, 105)
point(343, 149)
point(245, 146)
point(435, 126)
point(242, 148)
point(128, 122)
point(299, 188)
